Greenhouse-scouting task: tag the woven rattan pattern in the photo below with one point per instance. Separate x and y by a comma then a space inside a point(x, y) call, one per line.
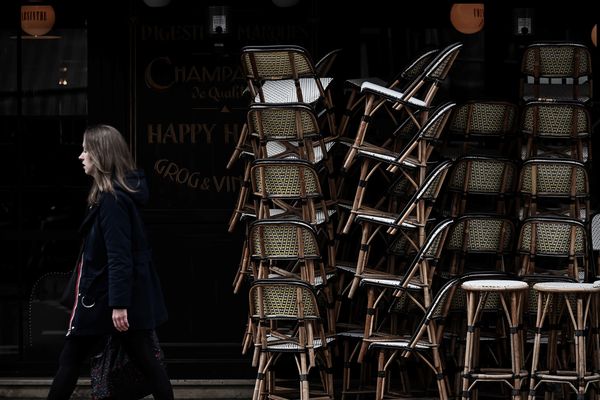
point(282, 301)
point(485, 175)
point(485, 234)
point(484, 119)
point(556, 61)
point(280, 64)
point(286, 180)
point(284, 240)
point(553, 238)
point(555, 179)
point(416, 68)
point(556, 120)
point(281, 123)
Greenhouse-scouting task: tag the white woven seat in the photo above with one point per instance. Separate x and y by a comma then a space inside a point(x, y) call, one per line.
point(494, 285)
point(391, 94)
point(566, 287)
point(284, 91)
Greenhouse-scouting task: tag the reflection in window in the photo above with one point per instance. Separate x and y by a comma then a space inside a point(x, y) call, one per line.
point(53, 74)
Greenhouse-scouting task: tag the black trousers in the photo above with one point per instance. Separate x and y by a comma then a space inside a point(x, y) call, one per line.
point(78, 349)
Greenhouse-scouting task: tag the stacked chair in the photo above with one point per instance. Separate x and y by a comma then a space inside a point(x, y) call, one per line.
point(553, 206)
point(390, 232)
point(418, 247)
point(287, 209)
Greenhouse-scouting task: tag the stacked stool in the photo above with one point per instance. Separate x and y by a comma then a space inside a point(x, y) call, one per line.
point(577, 300)
point(509, 296)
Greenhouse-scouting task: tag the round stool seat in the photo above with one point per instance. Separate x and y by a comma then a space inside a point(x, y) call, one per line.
point(496, 285)
point(564, 287)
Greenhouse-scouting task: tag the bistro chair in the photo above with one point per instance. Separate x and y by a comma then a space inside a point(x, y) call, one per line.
point(284, 131)
point(480, 127)
point(413, 216)
point(322, 68)
point(411, 161)
point(479, 242)
point(415, 99)
point(286, 321)
point(291, 248)
point(553, 186)
point(483, 184)
point(287, 74)
point(426, 341)
point(553, 245)
point(355, 98)
point(287, 189)
point(556, 71)
point(415, 282)
point(556, 130)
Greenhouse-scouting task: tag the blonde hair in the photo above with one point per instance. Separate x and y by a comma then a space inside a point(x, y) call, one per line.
point(111, 159)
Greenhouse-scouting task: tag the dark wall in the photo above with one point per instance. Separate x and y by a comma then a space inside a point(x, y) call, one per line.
point(176, 92)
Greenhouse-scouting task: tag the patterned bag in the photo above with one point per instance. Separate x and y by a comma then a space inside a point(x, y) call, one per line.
point(115, 376)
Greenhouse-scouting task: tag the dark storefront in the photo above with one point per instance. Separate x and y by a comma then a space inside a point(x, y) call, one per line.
point(171, 80)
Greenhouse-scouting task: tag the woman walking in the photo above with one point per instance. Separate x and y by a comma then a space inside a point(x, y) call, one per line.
point(117, 291)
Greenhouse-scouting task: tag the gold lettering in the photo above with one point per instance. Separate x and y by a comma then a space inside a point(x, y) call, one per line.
point(231, 133)
point(219, 183)
point(180, 133)
point(154, 134)
point(170, 133)
point(172, 74)
point(171, 32)
point(149, 79)
point(173, 172)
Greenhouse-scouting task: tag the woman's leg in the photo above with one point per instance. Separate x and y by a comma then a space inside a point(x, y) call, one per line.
point(140, 348)
point(75, 351)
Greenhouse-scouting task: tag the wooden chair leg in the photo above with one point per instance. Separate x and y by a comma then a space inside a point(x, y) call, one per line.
point(242, 199)
point(239, 147)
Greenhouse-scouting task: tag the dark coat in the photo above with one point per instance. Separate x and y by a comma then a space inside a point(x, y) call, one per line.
point(117, 270)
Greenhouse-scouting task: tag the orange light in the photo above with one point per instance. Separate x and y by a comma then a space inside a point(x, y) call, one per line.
point(467, 18)
point(594, 35)
point(37, 20)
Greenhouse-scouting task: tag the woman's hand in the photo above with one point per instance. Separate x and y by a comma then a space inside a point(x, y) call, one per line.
point(119, 317)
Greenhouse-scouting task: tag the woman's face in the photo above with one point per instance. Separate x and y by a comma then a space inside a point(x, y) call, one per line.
point(86, 160)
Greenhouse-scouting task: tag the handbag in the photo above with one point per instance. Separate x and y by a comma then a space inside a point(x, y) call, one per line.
point(115, 376)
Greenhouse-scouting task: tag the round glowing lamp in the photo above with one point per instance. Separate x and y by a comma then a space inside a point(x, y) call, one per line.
point(36, 19)
point(594, 35)
point(467, 18)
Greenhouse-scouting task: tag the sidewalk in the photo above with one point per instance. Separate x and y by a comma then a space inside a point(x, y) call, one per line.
point(37, 388)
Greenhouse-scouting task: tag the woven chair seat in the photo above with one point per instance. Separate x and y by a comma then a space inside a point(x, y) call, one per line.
point(401, 344)
point(388, 219)
point(276, 148)
point(392, 95)
point(483, 285)
point(284, 91)
point(387, 156)
point(276, 343)
point(357, 82)
point(390, 282)
point(566, 287)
